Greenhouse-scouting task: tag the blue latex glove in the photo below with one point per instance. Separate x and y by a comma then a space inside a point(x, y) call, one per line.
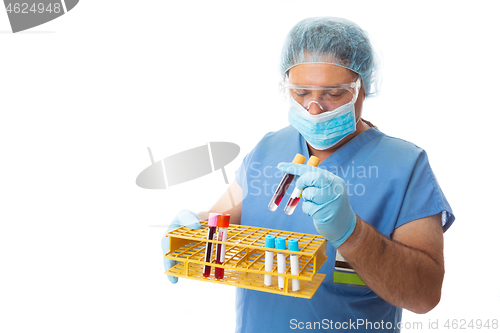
point(325, 199)
point(185, 218)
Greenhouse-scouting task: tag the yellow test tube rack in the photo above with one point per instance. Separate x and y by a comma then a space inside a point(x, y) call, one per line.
point(244, 260)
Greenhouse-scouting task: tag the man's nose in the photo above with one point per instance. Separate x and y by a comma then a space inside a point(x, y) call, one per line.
point(315, 108)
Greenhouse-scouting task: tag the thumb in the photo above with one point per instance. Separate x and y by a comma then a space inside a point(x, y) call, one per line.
point(189, 219)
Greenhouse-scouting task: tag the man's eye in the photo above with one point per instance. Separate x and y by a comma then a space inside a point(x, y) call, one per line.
point(335, 92)
point(301, 93)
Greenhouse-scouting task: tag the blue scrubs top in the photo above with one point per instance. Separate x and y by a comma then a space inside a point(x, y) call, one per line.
point(389, 182)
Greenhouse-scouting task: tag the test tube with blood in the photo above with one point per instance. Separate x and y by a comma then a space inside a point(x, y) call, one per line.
point(222, 224)
point(284, 184)
point(296, 194)
point(212, 227)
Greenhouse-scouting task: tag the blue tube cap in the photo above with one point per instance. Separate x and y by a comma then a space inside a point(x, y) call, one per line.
point(270, 241)
point(293, 244)
point(281, 243)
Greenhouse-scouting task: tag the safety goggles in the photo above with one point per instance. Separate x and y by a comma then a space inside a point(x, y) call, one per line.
point(328, 98)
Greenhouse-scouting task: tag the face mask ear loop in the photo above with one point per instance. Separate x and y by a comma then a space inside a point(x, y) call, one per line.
point(358, 86)
point(357, 121)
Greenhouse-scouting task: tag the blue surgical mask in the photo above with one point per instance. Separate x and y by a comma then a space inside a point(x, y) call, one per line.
point(324, 130)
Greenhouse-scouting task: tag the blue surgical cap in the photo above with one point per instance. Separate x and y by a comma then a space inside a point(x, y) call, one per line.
point(335, 41)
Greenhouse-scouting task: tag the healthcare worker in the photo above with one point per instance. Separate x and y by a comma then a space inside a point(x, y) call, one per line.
point(374, 197)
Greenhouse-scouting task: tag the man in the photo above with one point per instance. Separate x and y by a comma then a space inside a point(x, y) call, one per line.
point(373, 197)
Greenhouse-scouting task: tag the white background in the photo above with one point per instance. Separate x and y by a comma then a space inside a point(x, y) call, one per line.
point(83, 96)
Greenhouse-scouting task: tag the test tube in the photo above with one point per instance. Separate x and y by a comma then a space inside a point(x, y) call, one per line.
point(268, 263)
point(212, 227)
point(296, 194)
point(293, 245)
point(281, 245)
point(222, 224)
point(284, 184)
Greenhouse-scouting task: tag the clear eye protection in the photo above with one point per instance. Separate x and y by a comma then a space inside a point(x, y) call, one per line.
point(328, 98)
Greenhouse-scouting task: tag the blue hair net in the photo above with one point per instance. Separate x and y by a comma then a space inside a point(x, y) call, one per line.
point(335, 41)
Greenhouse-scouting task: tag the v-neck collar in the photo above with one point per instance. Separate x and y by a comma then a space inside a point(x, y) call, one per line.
point(347, 149)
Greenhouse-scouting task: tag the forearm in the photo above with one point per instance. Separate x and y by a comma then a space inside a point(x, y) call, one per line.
point(403, 276)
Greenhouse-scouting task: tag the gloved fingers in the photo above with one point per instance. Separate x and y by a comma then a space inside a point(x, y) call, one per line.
point(189, 219)
point(167, 263)
point(320, 195)
point(164, 244)
point(295, 168)
point(310, 208)
point(315, 178)
point(185, 218)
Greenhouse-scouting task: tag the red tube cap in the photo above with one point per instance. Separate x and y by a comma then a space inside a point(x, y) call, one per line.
point(223, 220)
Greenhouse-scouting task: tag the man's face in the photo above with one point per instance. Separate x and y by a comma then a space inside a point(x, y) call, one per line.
point(319, 74)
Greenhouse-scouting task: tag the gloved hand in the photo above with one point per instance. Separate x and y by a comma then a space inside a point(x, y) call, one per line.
point(185, 218)
point(325, 199)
